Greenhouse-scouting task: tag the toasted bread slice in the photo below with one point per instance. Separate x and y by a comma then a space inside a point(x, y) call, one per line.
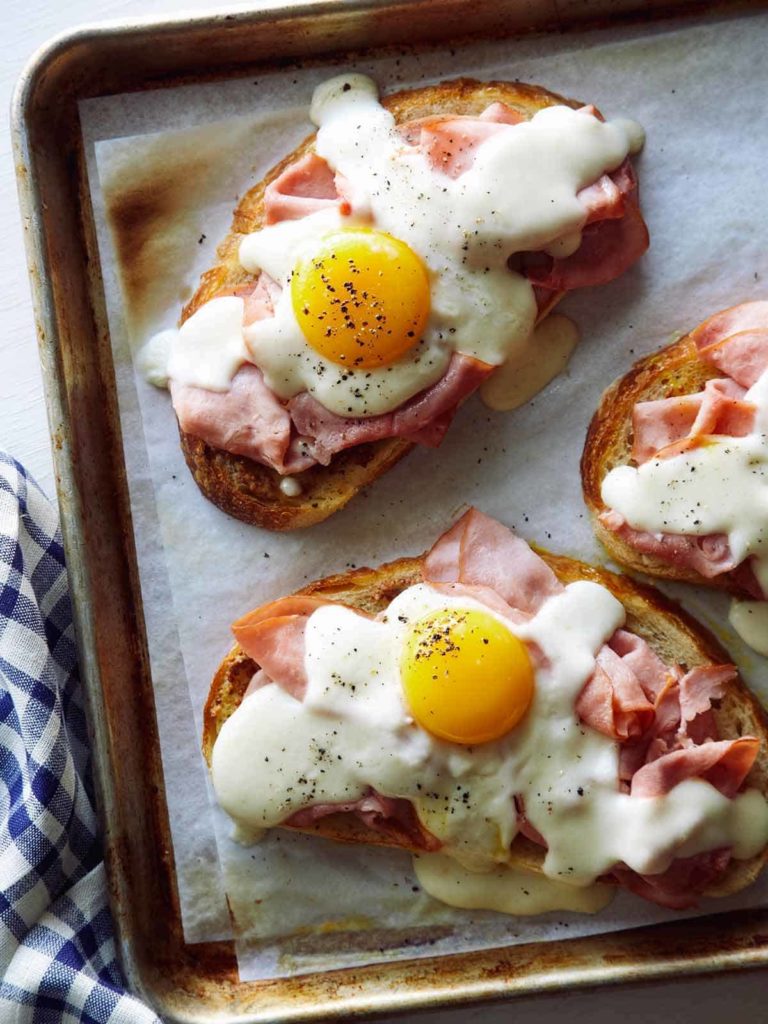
point(674, 636)
point(245, 488)
point(675, 370)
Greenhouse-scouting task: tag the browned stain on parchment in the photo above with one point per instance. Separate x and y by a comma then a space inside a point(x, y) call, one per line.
point(159, 192)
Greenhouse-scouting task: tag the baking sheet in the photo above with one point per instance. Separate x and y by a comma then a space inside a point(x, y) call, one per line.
point(168, 166)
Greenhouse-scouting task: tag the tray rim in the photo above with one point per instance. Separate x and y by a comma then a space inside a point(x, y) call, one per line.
point(490, 975)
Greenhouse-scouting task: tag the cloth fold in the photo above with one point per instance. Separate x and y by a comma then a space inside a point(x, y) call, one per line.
point(57, 954)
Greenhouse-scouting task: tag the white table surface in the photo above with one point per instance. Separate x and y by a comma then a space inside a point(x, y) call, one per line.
point(24, 434)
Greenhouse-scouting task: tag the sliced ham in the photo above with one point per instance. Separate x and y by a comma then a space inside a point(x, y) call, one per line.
point(479, 550)
point(681, 885)
point(650, 670)
point(608, 248)
point(682, 715)
point(304, 187)
point(661, 422)
point(391, 817)
point(246, 420)
point(273, 635)
point(744, 356)
point(725, 764)
point(607, 199)
point(502, 113)
point(613, 701)
point(450, 145)
point(718, 409)
point(425, 417)
point(260, 301)
point(748, 317)
point(709, 555)
point(701, 686)
point(604, 200)
point(456, 136)
point(484, 595)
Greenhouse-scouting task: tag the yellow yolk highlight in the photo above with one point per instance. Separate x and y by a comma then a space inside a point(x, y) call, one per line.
point(362, 298)
point(466, 677)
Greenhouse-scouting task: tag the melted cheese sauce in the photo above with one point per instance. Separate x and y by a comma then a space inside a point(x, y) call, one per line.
point(750, 620)
point(719, 487)
point(353, 731)
point(209, 348)
point(507, 890)
point(291, 487)
point(523, 376)
point(152, 360)
point(519, 195)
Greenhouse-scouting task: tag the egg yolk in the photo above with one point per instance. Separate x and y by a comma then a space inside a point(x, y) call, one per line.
point(362, 298)
point(466, 677)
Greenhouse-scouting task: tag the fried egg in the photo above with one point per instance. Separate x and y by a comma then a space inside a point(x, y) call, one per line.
point(379, 292)
point(447, 702)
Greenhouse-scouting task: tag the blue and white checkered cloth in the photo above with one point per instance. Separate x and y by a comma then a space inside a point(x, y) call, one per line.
point(57, 950)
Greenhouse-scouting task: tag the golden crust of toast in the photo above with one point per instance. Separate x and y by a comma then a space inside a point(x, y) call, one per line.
point(248, 490)
point(675, 370)
point(674, 635)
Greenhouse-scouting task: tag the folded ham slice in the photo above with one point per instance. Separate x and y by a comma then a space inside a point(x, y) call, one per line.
point(723, 763)
point(734, 341)
point(709, 555)
point(423, 418)
point(613, 702)
point(247, 420)
point(305, 187)
point(608, 248)
point(681, 885)
point(478, 550)
point(718, 409)
point(273, 635)
point(388, 816)
point(660, 715)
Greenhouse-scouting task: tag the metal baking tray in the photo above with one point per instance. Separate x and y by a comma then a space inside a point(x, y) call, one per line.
point(200, 983)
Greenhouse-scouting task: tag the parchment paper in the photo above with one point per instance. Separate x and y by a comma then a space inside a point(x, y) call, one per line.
point(166, 169)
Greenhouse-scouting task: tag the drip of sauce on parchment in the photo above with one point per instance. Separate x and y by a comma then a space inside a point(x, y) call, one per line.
point(523, 376)
point(750, 620)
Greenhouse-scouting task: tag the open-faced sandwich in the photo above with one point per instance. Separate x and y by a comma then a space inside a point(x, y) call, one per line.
point(379, 274)
point(536, 731)
point(675, 466)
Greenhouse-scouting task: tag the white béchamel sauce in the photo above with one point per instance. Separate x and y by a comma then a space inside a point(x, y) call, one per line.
point(209, 348)
point(291, 487)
